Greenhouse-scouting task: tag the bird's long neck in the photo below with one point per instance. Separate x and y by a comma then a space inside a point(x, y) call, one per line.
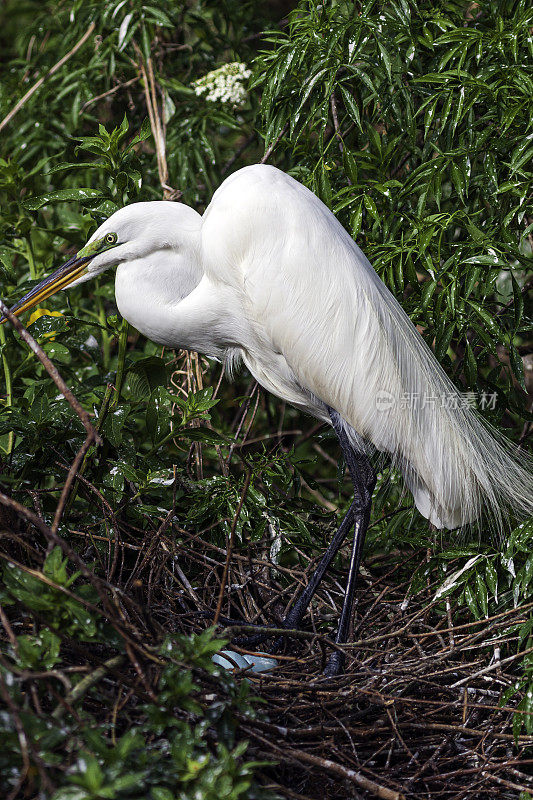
point(147, 289)
point(172, 303)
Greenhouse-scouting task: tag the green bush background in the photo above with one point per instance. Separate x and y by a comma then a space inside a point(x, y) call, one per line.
point(412, 122)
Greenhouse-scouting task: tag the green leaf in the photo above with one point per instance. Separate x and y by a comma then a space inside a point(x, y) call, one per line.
point(491, 576)
point(471, 602)
point(62, 195)
point(443, 341)
point(489, 320)
point(145, 376)
point(470, 366)
point(385, 57)
point(158, 414)
point(160, 793)
point(113, 425)
point(518, 301)
point(202, 434)
point(428, 289)
point(351, 107)
point(482, 595)
point(517, 366)
point(57, 352)
point(357, 219)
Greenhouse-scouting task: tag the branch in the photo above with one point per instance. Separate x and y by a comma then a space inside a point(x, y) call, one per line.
point(52, 371)
point(230, 546)
point(50, 72)
point(327, 765)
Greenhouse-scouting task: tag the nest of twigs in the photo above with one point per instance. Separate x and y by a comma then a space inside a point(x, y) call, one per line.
point(417, 713)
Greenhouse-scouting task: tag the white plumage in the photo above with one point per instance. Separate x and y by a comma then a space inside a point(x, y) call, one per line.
point(268, 276)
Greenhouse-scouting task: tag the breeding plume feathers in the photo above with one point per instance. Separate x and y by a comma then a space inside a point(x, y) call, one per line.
point(324, 331)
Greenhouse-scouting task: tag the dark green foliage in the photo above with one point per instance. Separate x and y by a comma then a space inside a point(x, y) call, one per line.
point(183, 745)
point(412, 122)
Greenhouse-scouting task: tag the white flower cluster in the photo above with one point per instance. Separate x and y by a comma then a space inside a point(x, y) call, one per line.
point(225, 84)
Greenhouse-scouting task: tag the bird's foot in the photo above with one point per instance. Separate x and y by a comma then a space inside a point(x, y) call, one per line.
point(335, 665)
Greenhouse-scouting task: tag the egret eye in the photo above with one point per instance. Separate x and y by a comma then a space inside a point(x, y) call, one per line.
point(111, 238)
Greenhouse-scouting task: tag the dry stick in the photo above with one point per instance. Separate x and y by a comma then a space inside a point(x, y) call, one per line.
point(241, 423)
point(26, 744)
point(333, 104)
point(160, 140)
point(230, 547)
point(508, 784)
point(240, 150)
point(100, 584)
point(92, 434)
point(156, 126)
point(289, 633)
point(50, 72)
point(52, 371)
point(109, 92)
point(492, 667)
point(50, 535)
point(9, 630)
point(457, 729)
point(49, 582)
point(268, 153)
point(71, 477)
point(325, 764)
point(85, 684)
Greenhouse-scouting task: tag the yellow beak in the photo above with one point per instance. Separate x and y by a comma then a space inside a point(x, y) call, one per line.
point(60, 279)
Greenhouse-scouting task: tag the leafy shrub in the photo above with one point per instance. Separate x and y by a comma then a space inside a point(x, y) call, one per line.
point(412, 123)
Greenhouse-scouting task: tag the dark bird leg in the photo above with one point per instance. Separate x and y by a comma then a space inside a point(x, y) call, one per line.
point(297, 610)
point(364, 481)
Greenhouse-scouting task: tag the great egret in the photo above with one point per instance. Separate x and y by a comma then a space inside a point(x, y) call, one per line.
point(269, 277)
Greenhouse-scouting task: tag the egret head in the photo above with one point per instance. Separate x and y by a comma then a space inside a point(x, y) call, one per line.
point(133, 232)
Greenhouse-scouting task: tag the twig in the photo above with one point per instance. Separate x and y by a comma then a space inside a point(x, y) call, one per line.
point(237, 154)
point(92, 434)
point(16, 108)
point(246, 404)
point(336, 123)
point(492, 667)
point(71, 477)
point(109, 92)
point(326, 765)
point(85, 684)
point(508, 784)
point(230, 546)
point(52, 371)
point(26, 744)
point(158, 132)
point(268, 152)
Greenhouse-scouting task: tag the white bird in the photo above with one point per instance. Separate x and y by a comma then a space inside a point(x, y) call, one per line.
point(269, 277)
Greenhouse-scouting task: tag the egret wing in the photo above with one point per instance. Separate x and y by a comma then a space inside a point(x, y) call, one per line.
point(323, 330)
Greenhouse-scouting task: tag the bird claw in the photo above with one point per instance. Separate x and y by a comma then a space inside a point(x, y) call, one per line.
point(335, 665)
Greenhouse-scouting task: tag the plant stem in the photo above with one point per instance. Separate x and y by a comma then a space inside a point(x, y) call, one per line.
point(106, 337)
point(31, 260)
point(9, 388)
point(102, 414)
point(119, 380)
